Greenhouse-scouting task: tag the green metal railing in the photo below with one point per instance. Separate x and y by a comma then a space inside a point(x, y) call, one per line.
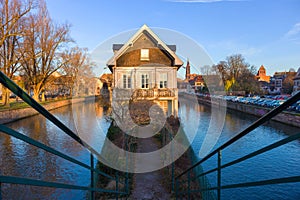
point(92, 189)
point(183, 181)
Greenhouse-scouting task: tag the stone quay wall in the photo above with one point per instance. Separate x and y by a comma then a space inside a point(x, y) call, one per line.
point(286, 117)
point(11, 115)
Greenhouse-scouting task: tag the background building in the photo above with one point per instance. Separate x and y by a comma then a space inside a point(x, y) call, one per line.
point(296, 80)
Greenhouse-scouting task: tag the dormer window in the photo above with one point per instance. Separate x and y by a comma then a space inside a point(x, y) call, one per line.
point(144, 54)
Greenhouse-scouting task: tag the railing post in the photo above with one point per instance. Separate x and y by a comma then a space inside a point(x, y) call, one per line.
point(92, 193)
point(176, 189)
point(189, 185)
point(173, 176)
point(219, 174)
point(127, 183)
point(117, 185)
point(173, 164)
point(127, 163)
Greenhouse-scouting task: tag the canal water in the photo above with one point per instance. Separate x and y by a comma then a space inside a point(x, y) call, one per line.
point(277, 163)
point(21, 159)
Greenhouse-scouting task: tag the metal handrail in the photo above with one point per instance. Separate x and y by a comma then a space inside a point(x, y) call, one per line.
point(240, 135)
point(251, 155)
point(30, 101)
point(40, 109)
point(250, 128)
point(40, 145)
point(33, 182)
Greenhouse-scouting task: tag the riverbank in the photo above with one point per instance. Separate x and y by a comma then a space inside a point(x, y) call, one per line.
point(14, 114)
point(289, 118)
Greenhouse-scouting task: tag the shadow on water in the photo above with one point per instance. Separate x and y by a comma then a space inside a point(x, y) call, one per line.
point(277, 163)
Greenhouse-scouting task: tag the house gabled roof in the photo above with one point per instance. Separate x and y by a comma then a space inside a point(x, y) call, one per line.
point(144, 30)
point(297, 77)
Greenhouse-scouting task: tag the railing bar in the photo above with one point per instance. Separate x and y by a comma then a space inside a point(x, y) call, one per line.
point(99, 190)
point(35, 143)
point(200, 175)
point(196, 191)
point(117, 185)
point(126, 184)
point(251, 184)
point(121, 181)
point(30, 101)
point(292, 179)
point(176, 188)
point(26, 181)
point(92, 193)
point(253, 126)
point(219, 174)
point(263, 150)
point(189, 185)
point(267, 148)
point(205, 173)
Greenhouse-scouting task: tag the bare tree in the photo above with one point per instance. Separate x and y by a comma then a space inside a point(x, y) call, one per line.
point(288, 81)
point(237, 75)
point(77, 69)
point(12, 14)
point(41, 51)
point(235, 66)
point(220, 68)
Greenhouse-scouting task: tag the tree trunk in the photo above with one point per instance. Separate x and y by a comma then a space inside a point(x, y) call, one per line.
point(37, 89)
point(43, 96)
point(36, 92)
point(71, 92)
point(5, 96)
point(36, 96)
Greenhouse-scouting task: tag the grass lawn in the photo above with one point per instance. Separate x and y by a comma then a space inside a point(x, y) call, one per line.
point(20, 104)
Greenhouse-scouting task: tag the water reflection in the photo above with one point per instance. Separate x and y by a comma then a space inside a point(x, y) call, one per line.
point(91, 123)
point(281, 162)
point(20, 159)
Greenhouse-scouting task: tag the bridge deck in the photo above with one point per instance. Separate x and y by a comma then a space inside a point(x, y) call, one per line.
point(149, 185)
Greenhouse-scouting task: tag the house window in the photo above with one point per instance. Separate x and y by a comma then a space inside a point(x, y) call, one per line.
point(126, 81)
point(144, 54)
point(163, 80)
point(145, 81)
point(278, 83)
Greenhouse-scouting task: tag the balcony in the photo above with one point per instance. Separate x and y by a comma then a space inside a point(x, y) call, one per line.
point(144, 94)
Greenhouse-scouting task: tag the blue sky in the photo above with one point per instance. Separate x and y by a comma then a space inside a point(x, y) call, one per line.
point(264, 32)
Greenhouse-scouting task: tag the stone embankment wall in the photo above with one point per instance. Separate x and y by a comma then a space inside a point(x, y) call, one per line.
point(285, 117)
point(16, 114)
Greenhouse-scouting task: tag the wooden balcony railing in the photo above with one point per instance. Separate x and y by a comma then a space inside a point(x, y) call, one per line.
point(138, 94)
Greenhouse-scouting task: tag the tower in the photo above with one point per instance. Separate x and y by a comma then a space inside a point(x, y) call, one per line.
point(187, 70)
point(262, 71)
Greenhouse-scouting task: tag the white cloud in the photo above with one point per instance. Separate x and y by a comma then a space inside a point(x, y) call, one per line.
point(201, 1)
point(294, 32)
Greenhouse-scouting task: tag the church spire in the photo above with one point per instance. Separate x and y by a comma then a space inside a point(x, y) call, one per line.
point(187, 70)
